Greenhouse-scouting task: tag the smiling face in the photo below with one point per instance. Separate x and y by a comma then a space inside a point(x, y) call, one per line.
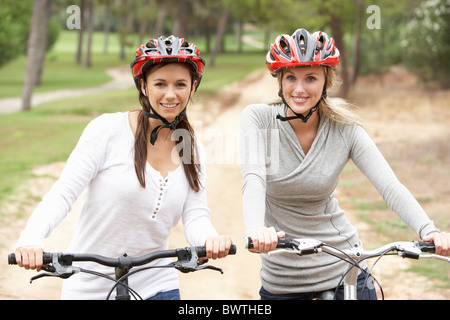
point(169, 88)
point(302, 87)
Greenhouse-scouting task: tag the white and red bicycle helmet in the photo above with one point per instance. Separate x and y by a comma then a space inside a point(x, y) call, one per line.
point(302, 49)
point(166, 50)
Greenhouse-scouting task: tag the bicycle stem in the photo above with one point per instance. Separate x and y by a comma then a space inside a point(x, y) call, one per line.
point(351, 284)
point(120, 271)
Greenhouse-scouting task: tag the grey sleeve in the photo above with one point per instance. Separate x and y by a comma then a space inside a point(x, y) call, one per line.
point(367, 157)
point(252, 151)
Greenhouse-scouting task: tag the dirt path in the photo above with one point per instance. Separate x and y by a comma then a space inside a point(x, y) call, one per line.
point(391, 127)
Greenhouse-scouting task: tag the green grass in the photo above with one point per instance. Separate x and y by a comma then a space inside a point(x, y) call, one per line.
point(392, 228)
point(433, 269)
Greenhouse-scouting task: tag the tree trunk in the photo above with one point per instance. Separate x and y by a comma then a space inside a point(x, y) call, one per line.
point(143, 24)
point(338, 35)
point(32, 54)
point(208, 35)
point(80, 35)
point(90, 21)
point(239, 34)
point(127, 28)
point(43, 40)
point(357, 43)
point(356, 55)
point(181, 19)
point(221, 30)
point(107, 26)
point(162, 15)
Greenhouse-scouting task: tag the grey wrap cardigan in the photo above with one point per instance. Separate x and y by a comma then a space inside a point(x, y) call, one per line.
point(295, 193)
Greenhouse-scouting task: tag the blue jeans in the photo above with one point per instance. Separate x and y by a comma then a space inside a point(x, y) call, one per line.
point(167, 295)
point(369, 292)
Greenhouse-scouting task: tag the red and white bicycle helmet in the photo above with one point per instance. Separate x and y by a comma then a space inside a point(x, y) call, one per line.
point(302, 49)
point(162, 50)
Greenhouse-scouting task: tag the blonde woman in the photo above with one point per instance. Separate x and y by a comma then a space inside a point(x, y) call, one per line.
point(293, 153)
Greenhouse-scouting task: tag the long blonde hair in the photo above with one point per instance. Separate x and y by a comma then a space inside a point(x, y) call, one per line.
point(336, 109)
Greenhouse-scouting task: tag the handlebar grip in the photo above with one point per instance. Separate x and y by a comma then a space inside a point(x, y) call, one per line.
point(425, 246)
point(46, 258)
point(282, 243)
point(201, 250)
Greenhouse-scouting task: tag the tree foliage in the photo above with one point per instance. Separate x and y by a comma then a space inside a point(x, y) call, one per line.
point(425, 41)
point(15, 18)
point(412, 32)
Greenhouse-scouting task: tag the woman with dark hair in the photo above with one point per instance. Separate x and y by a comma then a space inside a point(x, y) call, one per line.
point(140, 182)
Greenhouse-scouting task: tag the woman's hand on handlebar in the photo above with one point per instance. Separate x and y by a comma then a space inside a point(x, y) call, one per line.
point(265, 239)
point(441, 242)
point(217, 246)
point(29, 257)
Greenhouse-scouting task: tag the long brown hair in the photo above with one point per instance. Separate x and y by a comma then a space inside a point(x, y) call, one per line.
point(190, 162)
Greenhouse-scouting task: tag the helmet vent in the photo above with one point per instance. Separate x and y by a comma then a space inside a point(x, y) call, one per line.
point(302, 44)
point(284, 46)
point(150, 45)
point(319, 45)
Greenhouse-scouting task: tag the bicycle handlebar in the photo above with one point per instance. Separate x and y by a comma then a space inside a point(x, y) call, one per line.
point(354, 256)
point(60, 265)
point(413, 249)
point(67, 258)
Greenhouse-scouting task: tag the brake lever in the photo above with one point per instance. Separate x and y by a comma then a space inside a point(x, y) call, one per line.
point(208, 266)
point(71, 271)
point(56, 269)
point(408, 250)
point(282, 251)
point(301, 247)
point(187, 264)
point(44, 274)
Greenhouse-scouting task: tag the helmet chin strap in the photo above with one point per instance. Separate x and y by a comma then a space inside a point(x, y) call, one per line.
point(166, 124)
point(303, 117)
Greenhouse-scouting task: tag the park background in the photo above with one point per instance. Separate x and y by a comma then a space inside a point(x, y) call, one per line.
point(55, 78)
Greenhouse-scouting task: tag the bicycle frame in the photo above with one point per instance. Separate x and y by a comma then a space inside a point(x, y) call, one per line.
point(351, 277)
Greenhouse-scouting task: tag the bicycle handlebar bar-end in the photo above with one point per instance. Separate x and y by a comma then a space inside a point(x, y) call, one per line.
point(12, 258)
